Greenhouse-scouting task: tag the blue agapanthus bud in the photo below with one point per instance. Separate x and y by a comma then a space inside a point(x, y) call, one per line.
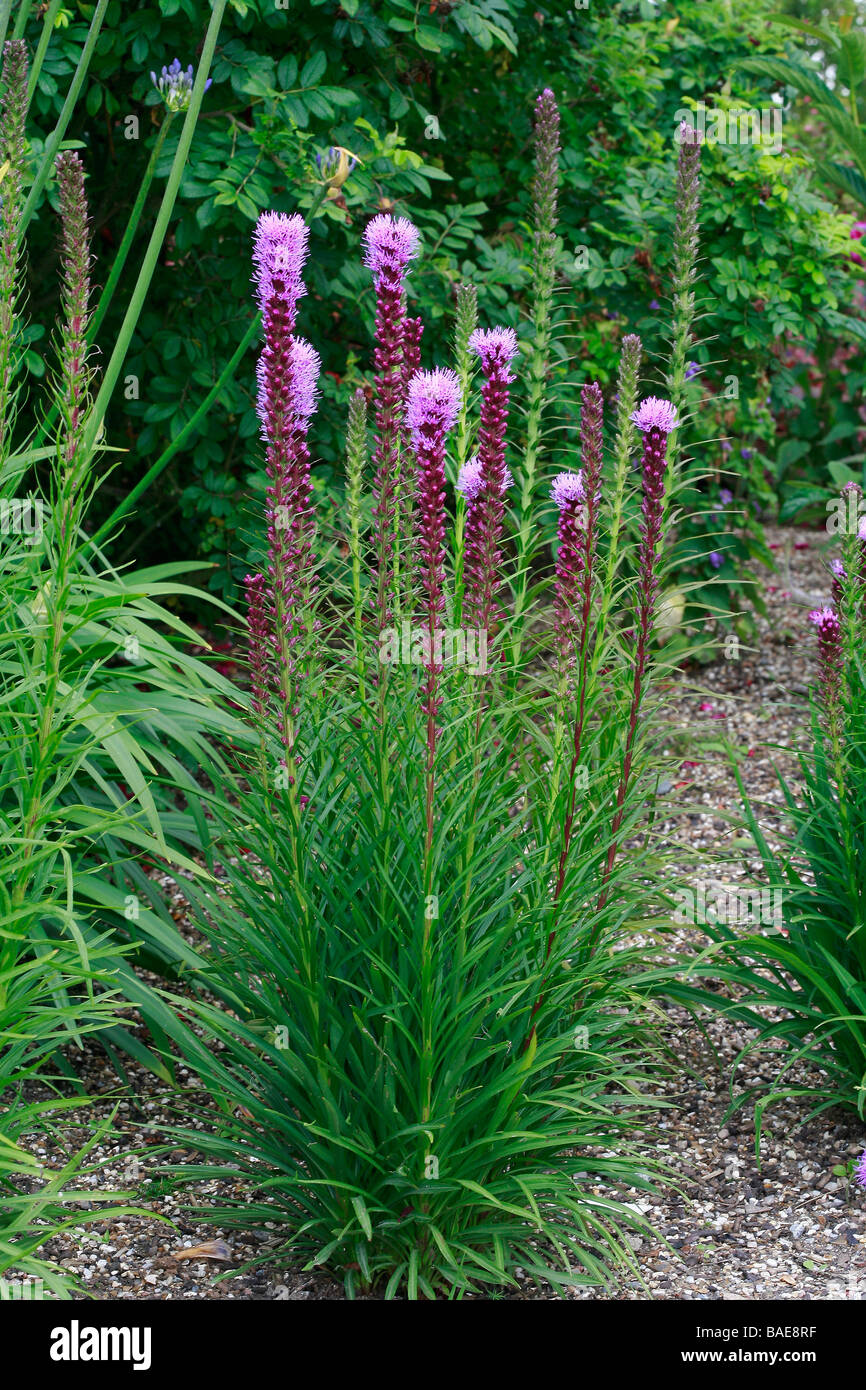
point(335, 165)
point(175, 84)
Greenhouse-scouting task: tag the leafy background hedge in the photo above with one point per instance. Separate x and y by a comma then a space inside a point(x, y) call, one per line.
point(436, 101)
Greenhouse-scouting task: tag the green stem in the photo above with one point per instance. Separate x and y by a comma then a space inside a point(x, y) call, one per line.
point(39, 56)
point(52, 144)
point(22, 18)
point(157, 237)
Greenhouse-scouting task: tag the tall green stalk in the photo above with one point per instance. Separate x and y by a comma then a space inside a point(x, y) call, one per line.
point(545, 200)
point(160, 228)
point(52, 144)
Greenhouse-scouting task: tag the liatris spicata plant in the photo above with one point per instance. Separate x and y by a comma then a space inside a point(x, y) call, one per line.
point(175, 85)
point(801, 986)
point(860, 1170)
point(390, 244)
point(406, 956)
point(14, 83)
point(496, 348)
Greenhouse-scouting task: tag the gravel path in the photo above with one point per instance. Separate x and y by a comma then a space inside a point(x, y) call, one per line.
point(791, 1229)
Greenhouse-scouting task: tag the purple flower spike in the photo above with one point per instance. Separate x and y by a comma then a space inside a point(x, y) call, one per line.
point(496, 348)
point(434, 403)
point(305, 371)
point(830, 662)
point(390, 243)
point(860, 1170)
point(255, 588)
point(280, 247)
point(655, 414)
point(568, 490)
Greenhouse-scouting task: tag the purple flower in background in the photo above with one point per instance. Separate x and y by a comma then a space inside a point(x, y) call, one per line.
point(496, 348)
point(726, 497)
point(692, 370)
point(716, 559)
point(654, 304)
point(655, 414)
point(746, 453)
point(726, 446)
point(860, 1170)
point(857, 230)
point(837, 569)
point(175, 85)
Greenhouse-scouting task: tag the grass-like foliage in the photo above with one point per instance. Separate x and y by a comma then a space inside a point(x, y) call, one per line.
point(431, 1047)
point(800, 983)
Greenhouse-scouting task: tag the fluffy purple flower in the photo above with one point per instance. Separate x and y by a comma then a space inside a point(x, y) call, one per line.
point(390, 243)
point(280, 246)
point(568, 489)
point(305, 370)
point(861, 528)
point(496, 347)
point(470, 481)
point(653, 413)
point(687, 134)
point(860, 1170)
point(434, 403)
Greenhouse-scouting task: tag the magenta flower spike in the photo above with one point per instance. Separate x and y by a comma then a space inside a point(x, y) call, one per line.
point(496, 348)
point(569, 494)
point(287, 374)
point(390, 243)
point(259, 641)
point(860, 1170)
point(830, 661)
point(432, 409)
point(655, 418)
